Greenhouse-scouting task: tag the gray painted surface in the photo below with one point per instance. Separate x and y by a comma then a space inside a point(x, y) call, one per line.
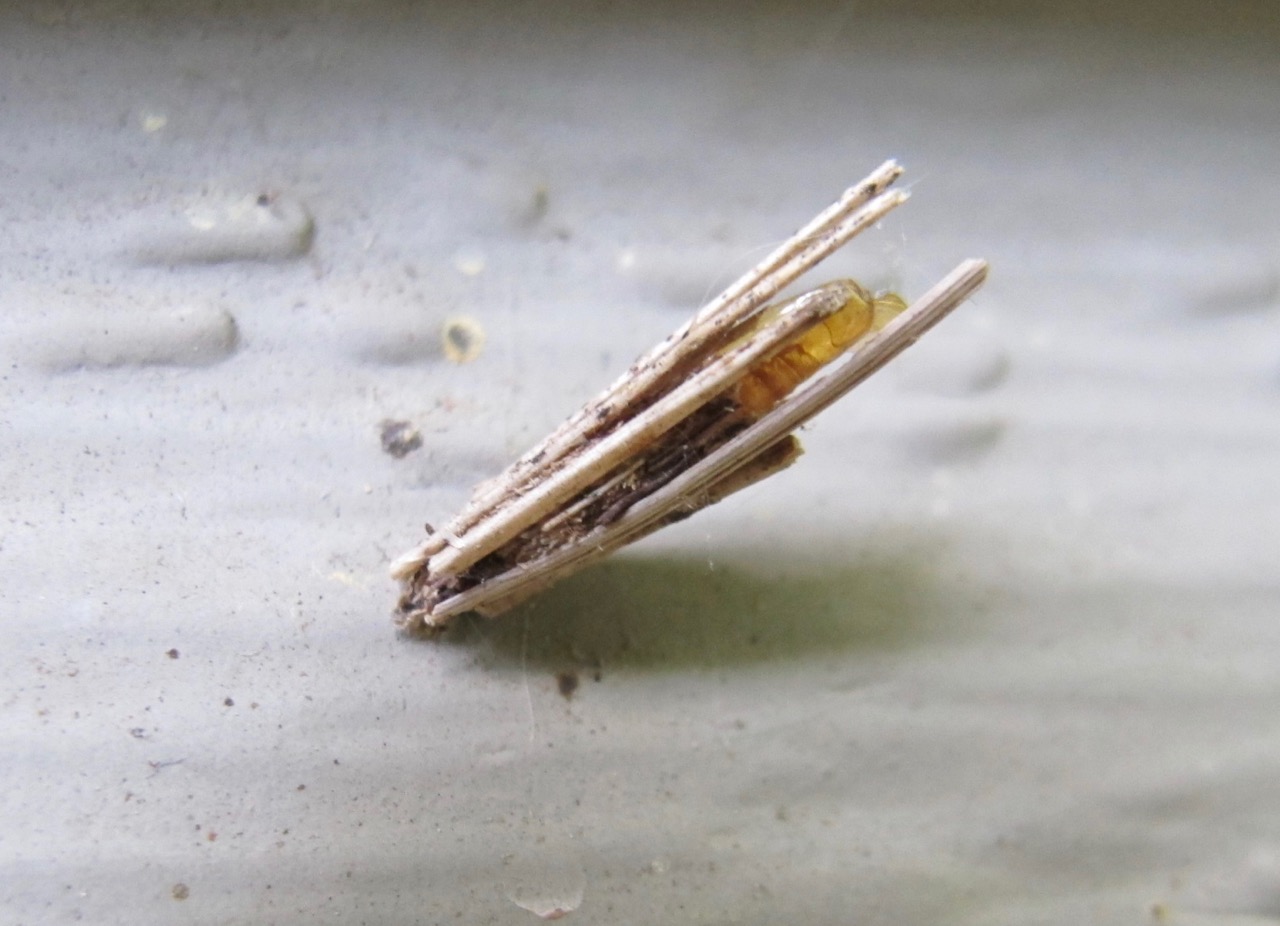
point(1001, 648)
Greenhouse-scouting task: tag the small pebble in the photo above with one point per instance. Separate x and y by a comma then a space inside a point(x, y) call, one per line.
point(400, 438)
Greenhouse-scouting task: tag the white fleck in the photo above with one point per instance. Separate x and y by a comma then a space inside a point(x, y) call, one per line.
point(469, 263)
point(546, 879)
point(153, 122)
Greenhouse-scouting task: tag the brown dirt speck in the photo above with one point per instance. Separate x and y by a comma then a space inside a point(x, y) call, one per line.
point(567, 682)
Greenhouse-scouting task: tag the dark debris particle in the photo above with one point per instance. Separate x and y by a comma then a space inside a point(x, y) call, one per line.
point(567, 682)
point(400, 438)
point(181, 891)
point(173, 654)
point(462, 339)
point(459, 338)
point(228, 702)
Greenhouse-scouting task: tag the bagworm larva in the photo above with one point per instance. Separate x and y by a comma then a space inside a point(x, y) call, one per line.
point(773, 379)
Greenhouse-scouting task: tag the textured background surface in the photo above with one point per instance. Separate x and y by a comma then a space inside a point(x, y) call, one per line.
point(1002, 648)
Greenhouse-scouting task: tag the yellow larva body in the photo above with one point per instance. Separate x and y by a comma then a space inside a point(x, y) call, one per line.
point(772, 380)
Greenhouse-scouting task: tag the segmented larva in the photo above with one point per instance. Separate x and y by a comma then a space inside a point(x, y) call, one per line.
point(773, 379)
